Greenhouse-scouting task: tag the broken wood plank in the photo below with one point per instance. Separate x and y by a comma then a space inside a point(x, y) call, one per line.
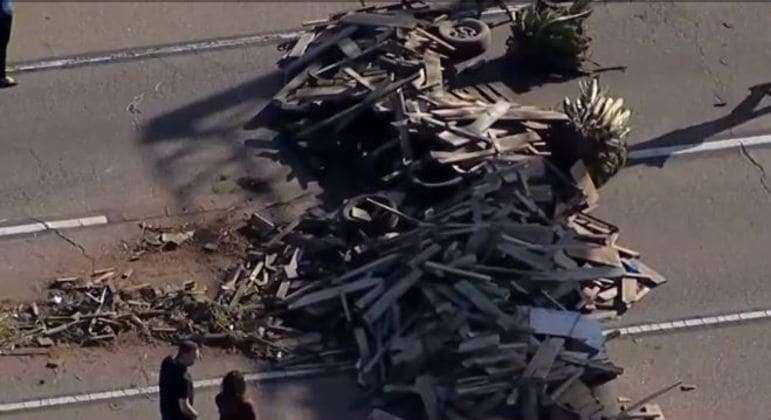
point(389, 297)
point(456, 271)
point(349, 47)
point(581, 274)
point(301, 45)
point(401, 20)
point(321, 48)
point(334, 292)
point(628, 291)
point(544, 358)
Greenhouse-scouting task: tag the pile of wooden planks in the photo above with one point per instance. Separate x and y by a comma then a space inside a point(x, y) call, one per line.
point(374, 85)
point(485, 302)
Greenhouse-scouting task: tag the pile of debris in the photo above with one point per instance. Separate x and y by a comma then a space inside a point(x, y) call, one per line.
point(373, 87)
point(486, 301)
point(99, 309)
point(477, 278)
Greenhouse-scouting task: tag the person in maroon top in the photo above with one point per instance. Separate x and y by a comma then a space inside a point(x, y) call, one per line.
point(231, 402)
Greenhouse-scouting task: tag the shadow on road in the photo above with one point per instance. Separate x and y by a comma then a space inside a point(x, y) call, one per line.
point(199, 148)
point(699, 133)
point(205, 143)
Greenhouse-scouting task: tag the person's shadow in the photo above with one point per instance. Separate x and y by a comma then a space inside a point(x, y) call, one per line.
point(698, 133)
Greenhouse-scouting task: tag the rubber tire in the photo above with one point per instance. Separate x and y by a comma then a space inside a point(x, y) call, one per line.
point(414, 175)
point(470, 46)
point(390, 222)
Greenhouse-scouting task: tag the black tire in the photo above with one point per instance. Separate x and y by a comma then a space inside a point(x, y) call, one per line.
point(382, 220)
point(431, 175)
point(470, 37)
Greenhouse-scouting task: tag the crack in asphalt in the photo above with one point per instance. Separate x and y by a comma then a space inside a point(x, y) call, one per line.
point(70, 241)
point(756, 164)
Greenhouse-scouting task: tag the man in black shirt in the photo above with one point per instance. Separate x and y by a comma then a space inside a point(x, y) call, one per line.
point(176, 386)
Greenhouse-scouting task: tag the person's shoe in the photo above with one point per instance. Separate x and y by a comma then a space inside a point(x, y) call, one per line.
point(7, 82)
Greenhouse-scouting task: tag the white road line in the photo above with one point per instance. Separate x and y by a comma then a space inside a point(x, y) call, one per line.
point(152, 390)
point(53, 225)
point(710, 146)
point(138, 53)
point(194, 46)
point(690, 323)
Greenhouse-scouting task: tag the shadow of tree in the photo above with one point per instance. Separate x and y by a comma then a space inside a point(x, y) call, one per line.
point(191, 146)
point(743, 112)
point(194, 146)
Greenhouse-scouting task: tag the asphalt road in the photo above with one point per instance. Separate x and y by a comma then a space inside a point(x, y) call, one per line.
point(44, 29)
point(77, 146)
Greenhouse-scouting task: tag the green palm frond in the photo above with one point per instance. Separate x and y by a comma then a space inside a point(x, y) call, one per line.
point(551, 37)
point(603, 123)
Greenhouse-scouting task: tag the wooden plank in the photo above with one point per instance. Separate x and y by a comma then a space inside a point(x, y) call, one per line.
point(380, 40)
point(593, 253)
point(447, 158)
point(349, 47)
point(320, 93)
point(380, 19)
point(530, 232)
point(515, 142)
point(301, 45)
point(497, 356)
point(321, 48)
point(343, 118)
point(489, 117)
point(475, 130)
point(522, 255)
point(478, 299)
point(369, 297)
point(391, 296)
point(436, 39)
point(584, 183)
point(581, 274)
point(425, 255)
point(359, 78)
point(456, 271)
point(334, 292)
point(397, 104)
point(544, 358)
point(642, 270)
point(557, 393)
point(433, 68)
point(628, 290)
point(373, 266)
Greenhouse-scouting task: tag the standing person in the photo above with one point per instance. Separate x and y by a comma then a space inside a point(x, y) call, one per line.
point(231, 402)
point(176, 386)
point(6, 18)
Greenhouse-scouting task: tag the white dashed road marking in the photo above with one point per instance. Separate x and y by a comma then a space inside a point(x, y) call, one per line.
point(688, 323)
point(182, 48)
point(53, 225)
point(152, 390)
point(140, 53)
point(690, 149)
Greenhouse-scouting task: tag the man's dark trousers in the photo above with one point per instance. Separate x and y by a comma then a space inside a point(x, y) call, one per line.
point(5, 36)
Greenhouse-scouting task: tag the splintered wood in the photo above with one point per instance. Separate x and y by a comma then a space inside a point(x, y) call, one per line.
point(484, 299)
point(391, 66)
